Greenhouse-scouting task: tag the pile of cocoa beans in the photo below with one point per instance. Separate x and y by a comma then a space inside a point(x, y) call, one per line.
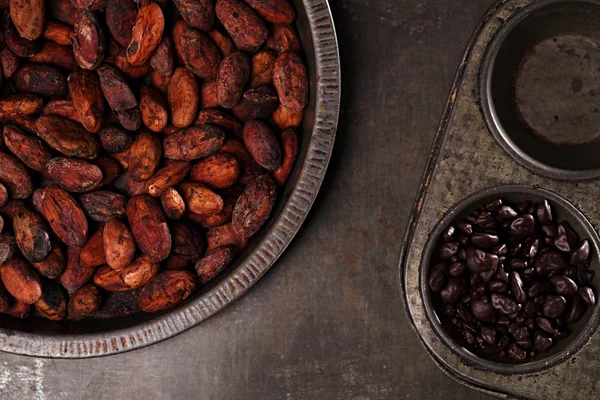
point(143, 143)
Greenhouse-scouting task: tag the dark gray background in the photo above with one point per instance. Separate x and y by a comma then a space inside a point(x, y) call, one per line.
point(326, 322)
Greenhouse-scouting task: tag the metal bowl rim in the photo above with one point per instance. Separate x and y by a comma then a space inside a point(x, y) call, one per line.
point(236, 282)
point(469, 358)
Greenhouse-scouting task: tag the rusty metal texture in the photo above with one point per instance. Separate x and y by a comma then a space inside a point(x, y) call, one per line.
point(468, 157)
point(100, 337)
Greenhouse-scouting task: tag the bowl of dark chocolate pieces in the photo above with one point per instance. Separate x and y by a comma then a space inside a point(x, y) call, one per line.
point(509, 278)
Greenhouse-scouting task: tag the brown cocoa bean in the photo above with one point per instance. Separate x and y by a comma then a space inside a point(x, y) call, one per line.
point(84, 302)
point(133, 72)
point(172, 203)
point(115, 139)
point(20, 105)
point(58, 32)
point(65, 216)
point(10, 62)
point(55, 54)
point(200, 200)
point(88, 40)
point(53, 303)
point(223, 42)
point(254, 206)
point(221, 170)
point(160, 83)
point(225, 235)
point(119, 244)
point(31, 234)
point(21, 280)
point(197, 50)
point(102, 205)
point(284, 118)
point(188, 247)
point(153, 109)
point(214, 220)
point(120, 304)
point(249, 168)
point(290, 152)
point(274, 11)
point(222, 119)
point(74, 175)
point(110, 168)
point(21, 46)
point(183, 97)
point(30, 150)
point(208, 95)
point(166, 290)
point(88, 100)
point(15, 177)
point(89, 4)
point(144, 156)
point(76, 274)
point(8, 247)
point(67, 137)
point(27, 124)
point(4, 298)
point(149, 227)
point(132, 276)
point(291, 81)
point(194, 142)
point(29, 17)
point(262, 69)
point(120, 19)
point(53, 265)
point(147, 33)
point(199, 14)
point(283, 38)
point(92, 254)
point(213, 263)
point(163, 60)
point(244, 26)
point(122, 158)
point(170, 175)
point(116, 90)
point(62, 108)
point(232, 78)
point(18, 310)
point(262, 144)
point(258, 103)
point(63, 11)
point(3, 195)
point(130, 119)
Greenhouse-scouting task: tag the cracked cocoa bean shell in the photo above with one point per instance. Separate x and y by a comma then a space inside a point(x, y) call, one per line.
point(147, 33)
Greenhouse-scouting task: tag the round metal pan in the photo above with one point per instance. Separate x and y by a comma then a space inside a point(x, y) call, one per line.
point(105, 336)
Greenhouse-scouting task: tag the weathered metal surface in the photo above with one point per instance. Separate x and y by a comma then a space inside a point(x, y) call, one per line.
point(466, 159)
point(327, 321)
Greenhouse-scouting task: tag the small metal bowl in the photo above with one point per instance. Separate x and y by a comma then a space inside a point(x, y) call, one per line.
point(580, 331)
point(98, 336)
point(540, 88)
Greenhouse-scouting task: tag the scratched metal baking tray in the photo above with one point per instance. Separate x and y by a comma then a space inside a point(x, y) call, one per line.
point(523, 117)
point(100, 337)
